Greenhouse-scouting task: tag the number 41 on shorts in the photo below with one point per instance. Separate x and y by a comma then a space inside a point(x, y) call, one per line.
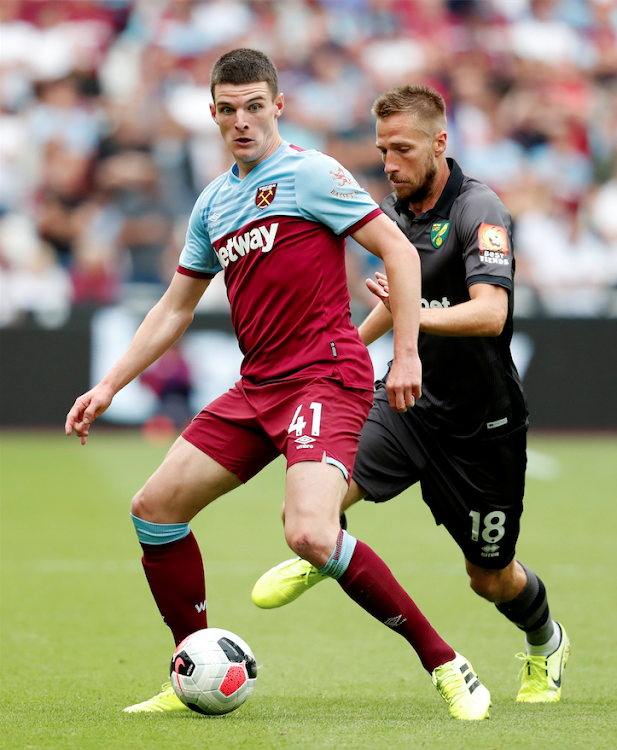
point(298, 423)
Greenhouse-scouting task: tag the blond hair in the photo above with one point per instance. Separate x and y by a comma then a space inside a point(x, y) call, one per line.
point(423, 102)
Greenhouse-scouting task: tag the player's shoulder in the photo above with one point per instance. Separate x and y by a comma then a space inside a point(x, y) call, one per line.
point(316, 164)
point(212, 189)
point(476, 199)
point(388, 206)
point(475, 192)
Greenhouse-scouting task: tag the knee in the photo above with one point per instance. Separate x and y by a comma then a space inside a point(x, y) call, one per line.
point(309, 545)
point(137, 504)
point(302, 542)
point(144, 505)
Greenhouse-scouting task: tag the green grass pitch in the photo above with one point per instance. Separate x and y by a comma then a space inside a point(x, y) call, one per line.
point(81, 636)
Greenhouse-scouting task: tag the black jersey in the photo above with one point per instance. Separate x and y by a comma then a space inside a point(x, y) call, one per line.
point(470, 387)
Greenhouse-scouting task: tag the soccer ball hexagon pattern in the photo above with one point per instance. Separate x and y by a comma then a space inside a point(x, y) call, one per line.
point(213, 671)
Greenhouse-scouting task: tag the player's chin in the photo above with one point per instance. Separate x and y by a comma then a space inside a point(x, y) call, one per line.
point(402, 190)
point(243, 147)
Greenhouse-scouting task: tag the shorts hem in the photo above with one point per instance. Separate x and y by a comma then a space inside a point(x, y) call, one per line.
point(491, 563)
point(316, 458)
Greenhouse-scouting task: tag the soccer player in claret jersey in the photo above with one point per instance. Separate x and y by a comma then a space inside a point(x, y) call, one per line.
point(465, 440)
point(275, 224)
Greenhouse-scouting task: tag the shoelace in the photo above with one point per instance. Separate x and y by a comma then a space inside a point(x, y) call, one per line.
point(311, 570)
point(534, 668)
point(452, 687)
point(166, 689)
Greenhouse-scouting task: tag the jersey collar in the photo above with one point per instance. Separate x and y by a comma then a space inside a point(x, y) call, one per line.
point(446, 200)
point(256, 171)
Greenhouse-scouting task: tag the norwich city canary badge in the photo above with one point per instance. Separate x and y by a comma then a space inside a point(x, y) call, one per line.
point(439, 230)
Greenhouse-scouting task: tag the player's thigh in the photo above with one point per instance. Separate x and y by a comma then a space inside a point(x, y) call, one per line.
point(229, 431)
point(186, 481)
point(311, 417)
point(476, 491)
point(313, 494)
point(390, 452)
point(223, 447)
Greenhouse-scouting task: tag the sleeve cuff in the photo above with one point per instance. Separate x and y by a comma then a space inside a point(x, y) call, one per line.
point(194, 274)
point(503, 281)
point(354, 227)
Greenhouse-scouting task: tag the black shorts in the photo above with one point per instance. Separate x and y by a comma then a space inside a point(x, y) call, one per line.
point(474, 488)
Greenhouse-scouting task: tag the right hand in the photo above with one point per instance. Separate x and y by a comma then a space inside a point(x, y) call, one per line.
point(86, 409)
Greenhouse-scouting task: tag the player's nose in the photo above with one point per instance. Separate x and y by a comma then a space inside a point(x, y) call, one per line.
point(241, 122)
point(390, 166)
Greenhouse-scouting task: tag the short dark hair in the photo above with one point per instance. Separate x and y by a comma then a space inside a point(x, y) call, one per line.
point(423, 102)
point(244, 66)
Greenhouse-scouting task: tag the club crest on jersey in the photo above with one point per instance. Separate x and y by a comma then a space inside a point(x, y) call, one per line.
point(493, 244)
point(265, 195)
point(439, 230)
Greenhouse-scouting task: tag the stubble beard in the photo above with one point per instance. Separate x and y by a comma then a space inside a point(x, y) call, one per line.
point(417, 192)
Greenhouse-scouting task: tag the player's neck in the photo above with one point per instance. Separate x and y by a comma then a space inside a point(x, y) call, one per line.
point(246, 167)
point(430, 201)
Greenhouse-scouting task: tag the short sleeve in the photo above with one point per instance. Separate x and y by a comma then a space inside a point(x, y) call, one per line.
point(328, 193)
point(198, 255)
point(484, 230)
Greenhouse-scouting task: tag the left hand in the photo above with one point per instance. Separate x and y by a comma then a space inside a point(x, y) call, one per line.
point(404, 383)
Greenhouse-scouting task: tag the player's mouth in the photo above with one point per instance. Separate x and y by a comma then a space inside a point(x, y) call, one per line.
point(243, 141)
point(395, 179)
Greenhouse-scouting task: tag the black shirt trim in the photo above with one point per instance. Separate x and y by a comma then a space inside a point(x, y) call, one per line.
point(493, 280)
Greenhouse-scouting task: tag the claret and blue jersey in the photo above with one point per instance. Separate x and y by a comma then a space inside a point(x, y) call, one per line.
point(279, 235)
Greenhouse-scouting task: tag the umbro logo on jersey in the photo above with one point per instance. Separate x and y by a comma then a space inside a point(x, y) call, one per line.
point(304, 442)
point(265, 195)
point(259, 238)
point(213, 219)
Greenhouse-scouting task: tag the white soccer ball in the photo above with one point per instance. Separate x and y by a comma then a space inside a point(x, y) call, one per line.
point(213, 671)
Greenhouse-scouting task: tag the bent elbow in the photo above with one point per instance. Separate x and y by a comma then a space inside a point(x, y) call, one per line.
point(496, 326)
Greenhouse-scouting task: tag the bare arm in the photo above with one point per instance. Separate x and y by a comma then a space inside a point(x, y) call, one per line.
point(376, 324)
point(484, 315)
point(384, 239)
point(161, 328)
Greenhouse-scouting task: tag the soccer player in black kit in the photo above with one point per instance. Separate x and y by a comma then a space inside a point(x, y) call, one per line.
point(465, 438)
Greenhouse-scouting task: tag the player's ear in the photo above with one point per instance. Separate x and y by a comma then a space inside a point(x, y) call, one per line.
point(440, 142)
point(279, 104)
point(213, 112)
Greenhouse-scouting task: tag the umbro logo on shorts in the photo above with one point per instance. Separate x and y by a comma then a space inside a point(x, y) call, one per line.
point(304, 442)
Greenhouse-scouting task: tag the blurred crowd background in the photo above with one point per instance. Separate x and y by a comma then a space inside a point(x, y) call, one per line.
point(106, 139)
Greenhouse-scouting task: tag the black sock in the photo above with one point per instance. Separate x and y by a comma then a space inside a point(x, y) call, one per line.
point(529, 611)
